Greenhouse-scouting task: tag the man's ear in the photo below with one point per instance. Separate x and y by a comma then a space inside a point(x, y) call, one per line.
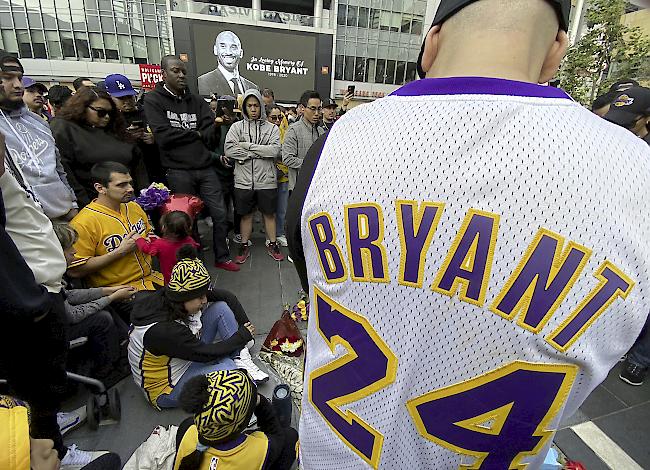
point(99, 188)
point(430, 48)
point(554, 57)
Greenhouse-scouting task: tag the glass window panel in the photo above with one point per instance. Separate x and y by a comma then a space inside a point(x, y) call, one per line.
point(96, 46)
point(9, 40)
point(420, 7)
point(67, 45)
point(6, 21)
point(416, 27)
point(126, 48)
point(24, 46)
point(35, 20)
point(81, 43)
point(49, 20)
point(399, 72)
point(93, 23)
point(373, 22)
point(380, 71)
point(33, 4)
point(390, 72)
point(363, 17)
point(338, 67)
point(386, 5)
point(153, 53)
point(110, 47)
point(340, 15)
point(150, 28)
point(20, 19)
point(90, 5)
point(370, 70)
point(398, 5)
point(406, 23)
point(411, 71)
point(372, 50)
point(38, 44)
point(348, 73)
point(105, 5)
point(53, 45)
point(359, 69)
point(108, 26)
point(352, 15)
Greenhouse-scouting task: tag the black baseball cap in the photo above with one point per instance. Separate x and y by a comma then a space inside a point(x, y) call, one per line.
point(629, 106)
point(329, 103)
point(623, 85)
point(449, 8)
point(6, 58)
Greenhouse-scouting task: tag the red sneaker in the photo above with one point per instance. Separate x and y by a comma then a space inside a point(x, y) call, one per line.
point(274, 251)
point(244, 253)
point(227, 266)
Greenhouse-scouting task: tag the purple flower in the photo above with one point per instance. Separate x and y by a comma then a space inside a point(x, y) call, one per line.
point(153, 197)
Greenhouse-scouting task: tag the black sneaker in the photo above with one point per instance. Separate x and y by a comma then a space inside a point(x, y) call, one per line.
point(632, 373)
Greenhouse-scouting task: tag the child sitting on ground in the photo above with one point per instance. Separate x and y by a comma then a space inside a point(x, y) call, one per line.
point(222, 403)
point(87, 315)
point(176, 232)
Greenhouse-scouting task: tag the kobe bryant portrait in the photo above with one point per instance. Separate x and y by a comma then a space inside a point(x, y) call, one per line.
point(225, 79)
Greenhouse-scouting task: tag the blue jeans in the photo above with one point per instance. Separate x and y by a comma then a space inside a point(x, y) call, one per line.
point(640, 352)
point(281, 211)
point(218, 323)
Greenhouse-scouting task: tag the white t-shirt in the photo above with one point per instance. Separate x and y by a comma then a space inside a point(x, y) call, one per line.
point(478, 255)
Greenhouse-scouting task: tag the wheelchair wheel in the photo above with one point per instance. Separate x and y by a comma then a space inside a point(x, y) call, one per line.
point(114, 405)
point(93, 410)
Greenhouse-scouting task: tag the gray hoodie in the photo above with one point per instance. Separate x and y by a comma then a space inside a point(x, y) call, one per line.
point(254, 145)
point(32, 147)
point(297, 141)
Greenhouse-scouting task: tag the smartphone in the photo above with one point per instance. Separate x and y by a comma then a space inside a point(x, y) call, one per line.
point(351, 89)
point(138, 124)
point(228, 104)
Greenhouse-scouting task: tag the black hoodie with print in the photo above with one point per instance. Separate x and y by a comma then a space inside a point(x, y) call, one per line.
point(183, 127)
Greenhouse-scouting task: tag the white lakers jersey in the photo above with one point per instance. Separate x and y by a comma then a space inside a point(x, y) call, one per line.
point(478, 253)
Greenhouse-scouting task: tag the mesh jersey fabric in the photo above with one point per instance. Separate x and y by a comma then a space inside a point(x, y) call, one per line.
point(537, 160)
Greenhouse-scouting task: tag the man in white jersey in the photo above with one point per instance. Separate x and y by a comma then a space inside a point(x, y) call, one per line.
point(474, 276)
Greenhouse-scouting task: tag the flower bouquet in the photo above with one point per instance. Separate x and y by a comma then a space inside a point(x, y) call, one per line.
point(300, 311)
point(285, 337)
point(153, 197)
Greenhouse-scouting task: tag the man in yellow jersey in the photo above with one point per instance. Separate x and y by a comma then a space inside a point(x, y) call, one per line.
point(106, 251)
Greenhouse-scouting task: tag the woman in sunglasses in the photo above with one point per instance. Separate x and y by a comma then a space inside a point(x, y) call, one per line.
point(90, 130)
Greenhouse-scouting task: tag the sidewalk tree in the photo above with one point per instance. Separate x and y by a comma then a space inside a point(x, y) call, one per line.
point(608, 52)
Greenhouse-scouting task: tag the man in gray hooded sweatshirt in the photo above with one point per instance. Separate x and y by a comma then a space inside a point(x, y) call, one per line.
point(254, 144)
point(30, 142)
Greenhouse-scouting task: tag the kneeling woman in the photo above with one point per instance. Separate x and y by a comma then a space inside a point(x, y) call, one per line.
point(175, 337)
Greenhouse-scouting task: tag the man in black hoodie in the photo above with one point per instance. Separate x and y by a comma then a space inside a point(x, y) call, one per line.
point(186, 133)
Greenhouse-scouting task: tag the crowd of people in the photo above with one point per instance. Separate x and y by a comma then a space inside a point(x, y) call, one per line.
point(81, 258)
point(91, 263)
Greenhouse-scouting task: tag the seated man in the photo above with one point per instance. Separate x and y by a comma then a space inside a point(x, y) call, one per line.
point(107, 255)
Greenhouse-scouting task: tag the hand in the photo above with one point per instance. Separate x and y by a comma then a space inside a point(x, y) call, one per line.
point(225, 161)
point(147, 138)
point(2, 154)
point(128, 244)
point(71, 214)
point(136, 132)
point(249, 326)
point(126, 293)
point(346, 100)
point(106, 291)
point(218, 121)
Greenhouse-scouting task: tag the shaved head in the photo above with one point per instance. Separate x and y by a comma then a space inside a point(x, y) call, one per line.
point(493, 34)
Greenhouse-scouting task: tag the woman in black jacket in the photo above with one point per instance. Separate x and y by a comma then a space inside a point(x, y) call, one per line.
point(88, 130)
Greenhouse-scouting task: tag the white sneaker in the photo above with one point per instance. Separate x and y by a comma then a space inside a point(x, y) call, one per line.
point(76, 459)
point(245, 361)
point(282, 241)
point(267, 243)
point(289, 259)
point(253, 421)
point(71, 420)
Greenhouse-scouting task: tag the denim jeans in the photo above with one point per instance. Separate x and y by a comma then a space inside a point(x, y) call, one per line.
point(218, 323)
point(205, 184)
point(640, 352)
point(281, 212)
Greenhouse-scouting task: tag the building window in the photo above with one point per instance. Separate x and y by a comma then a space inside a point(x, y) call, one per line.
point(416, 27)
point(96, 46)
point(390, 72)
point(359, 69)
point(411, 71)
point(348, 72)
point(110, 47)
point(364, 14)
point(67, 45)
point(381, 71)
point(352, 16)
point(340, 15)
point(53, 45)
point(24, 45)
point(38, 44)
point(370, 70)
point(374, 18)
point(338, 67)
point(399, 72)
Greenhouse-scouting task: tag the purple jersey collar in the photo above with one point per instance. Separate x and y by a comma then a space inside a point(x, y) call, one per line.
point(478, 86)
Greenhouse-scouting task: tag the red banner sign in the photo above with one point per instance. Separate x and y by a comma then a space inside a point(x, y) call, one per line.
point(150, 75)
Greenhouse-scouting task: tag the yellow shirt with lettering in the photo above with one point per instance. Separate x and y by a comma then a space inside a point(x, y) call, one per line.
point(101, 231)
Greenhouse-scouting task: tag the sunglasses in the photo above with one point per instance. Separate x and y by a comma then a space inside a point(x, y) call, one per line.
point(102, 113)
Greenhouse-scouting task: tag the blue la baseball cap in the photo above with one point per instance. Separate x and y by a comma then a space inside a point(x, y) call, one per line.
point(117, 85)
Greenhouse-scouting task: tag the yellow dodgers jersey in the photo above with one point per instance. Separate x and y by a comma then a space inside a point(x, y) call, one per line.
point(478, 258)
point(101, 231)
point(248, 452)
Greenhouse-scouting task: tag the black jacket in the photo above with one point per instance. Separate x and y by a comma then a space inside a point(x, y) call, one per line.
point(174, 339)
point(183, 127)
